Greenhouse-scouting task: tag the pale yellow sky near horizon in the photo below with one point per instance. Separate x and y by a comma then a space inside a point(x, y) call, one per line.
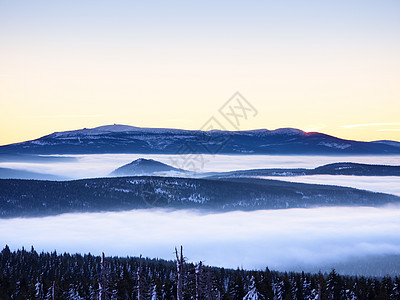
point(332, 68)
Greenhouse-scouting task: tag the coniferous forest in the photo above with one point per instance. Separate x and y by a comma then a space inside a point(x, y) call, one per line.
point(31, 275)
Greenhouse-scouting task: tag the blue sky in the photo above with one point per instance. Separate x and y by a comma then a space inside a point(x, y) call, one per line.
point(314, 65)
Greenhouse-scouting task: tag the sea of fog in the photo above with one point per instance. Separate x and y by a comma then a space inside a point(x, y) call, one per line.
point(353, 240)
point(382, 184)
point(291, 239)
point(100, 165)
point(97, 165)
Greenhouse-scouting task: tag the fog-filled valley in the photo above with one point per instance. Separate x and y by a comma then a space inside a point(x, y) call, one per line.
point(354, 240)
point(387, 184)
point(100, 165)
point(289, 239)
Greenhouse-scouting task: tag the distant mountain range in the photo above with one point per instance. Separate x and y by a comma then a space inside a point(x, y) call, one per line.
point(129, 139)
point(345, 168)
point(150, 167)
point(27, 198)
point(391, 143)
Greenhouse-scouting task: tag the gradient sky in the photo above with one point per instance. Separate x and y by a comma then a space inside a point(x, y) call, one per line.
point(328, 66)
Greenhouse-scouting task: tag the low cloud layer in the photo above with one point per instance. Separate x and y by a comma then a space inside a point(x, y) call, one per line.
point(381, 184)
point(279, 239)
point(98, 165)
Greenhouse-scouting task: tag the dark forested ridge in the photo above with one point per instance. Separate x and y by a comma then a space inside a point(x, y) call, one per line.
point(40, 198)
point(30, 275)
point(343, 168)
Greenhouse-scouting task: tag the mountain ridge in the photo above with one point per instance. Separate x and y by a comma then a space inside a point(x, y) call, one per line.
point(340, 168)
point(30, 198)
point(130, 139)
point(150, 167)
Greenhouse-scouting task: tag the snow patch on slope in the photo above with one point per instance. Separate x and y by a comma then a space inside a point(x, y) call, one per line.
point(334, 145)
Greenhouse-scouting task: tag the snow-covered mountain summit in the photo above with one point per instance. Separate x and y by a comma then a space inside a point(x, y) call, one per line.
point(130, 139)
point(118, 128)
point(106, 129)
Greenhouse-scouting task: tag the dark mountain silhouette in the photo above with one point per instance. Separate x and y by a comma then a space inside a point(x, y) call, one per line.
point(129, 139)
point(39, 198)
point(143, 166)
point(391, 143)
point(345, 168)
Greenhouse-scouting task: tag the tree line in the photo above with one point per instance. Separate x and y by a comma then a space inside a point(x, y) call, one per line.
point(31, 275)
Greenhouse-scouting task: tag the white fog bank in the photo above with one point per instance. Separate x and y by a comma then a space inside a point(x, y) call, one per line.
point(381, 184)
point(279, 239)
point(99, 165)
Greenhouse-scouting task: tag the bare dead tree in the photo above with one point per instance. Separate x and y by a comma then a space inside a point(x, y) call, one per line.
point(139, 280)
point(197, 274)
point(179, 268)
point(103, 280)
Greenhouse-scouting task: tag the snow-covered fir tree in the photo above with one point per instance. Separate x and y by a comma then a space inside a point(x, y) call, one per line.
point(29, 275)
point(253, 293)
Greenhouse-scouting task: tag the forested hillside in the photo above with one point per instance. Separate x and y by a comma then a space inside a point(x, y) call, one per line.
point(40, 198)
point(30, 275)
point(344, 168)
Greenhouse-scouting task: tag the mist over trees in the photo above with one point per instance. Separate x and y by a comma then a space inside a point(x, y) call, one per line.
point(31, 275)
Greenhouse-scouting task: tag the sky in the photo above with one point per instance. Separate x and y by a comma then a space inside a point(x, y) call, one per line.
point(327, 66)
